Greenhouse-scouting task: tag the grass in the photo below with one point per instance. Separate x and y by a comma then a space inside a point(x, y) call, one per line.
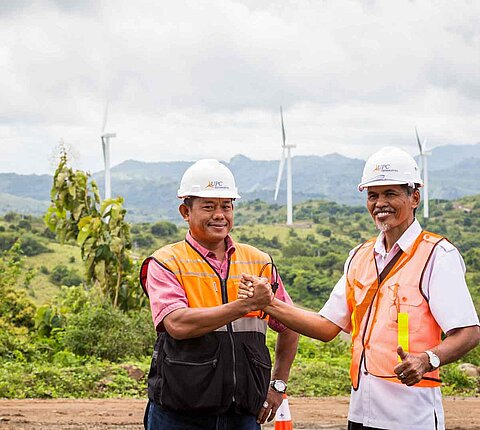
point(41, 289)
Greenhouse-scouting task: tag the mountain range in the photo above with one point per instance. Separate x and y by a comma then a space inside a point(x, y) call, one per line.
point(149, 189)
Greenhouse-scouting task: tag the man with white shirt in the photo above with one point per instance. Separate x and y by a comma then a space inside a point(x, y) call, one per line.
point(399, 292)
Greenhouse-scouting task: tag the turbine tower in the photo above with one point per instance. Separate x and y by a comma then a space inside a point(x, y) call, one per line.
point(286, 148)
point(106, 155)
point(424, 169)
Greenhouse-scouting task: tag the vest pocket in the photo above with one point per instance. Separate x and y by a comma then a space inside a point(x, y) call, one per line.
point(257, 375)
point(192, 385)
point(408, 301)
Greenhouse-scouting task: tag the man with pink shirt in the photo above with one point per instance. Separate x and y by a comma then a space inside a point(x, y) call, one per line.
point(211, 368)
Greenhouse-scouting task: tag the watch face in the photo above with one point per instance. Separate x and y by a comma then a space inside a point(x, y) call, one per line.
point(279, 385)
point(434, 360)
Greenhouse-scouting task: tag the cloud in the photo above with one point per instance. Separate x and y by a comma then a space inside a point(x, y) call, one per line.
point(188, 79)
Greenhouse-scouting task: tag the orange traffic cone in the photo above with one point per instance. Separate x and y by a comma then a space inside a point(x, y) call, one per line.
point(283, 419)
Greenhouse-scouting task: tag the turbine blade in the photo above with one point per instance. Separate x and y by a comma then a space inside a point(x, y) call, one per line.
point(284, 138)
point(418, 141)
point(280, 172)
point(105, 117)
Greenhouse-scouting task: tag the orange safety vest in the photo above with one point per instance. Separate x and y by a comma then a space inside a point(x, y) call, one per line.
point(392, 313)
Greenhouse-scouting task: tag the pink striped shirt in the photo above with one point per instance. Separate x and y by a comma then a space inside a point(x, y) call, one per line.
point(167, 294)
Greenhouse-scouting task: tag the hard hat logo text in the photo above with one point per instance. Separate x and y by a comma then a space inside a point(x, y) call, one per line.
point(384, 168)
point(216, 185)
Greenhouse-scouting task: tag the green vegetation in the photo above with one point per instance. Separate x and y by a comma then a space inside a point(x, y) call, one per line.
point(98, 228)
point(64, 333)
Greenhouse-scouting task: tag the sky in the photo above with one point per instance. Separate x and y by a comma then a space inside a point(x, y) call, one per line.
point(191, 79)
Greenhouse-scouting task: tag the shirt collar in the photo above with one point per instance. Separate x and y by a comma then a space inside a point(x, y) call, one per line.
point(206, 253)
point(404, 243)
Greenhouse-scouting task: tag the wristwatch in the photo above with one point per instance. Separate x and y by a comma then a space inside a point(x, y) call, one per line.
point(279, 386)
point(433, 359)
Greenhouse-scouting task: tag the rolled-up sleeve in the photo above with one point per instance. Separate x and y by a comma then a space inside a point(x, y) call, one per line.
point(450, 300)
point(282, 295)
point(336, 308)
point(165, 293)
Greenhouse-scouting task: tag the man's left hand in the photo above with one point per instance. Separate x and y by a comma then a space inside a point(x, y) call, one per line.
point(270, 406)
point(256, 289)
point(412, 367)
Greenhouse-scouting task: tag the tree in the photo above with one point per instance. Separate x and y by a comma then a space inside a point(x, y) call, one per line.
point(164, 229)
point(62, 275)
point(98, 227)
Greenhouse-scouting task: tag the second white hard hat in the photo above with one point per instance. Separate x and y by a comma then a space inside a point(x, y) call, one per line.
point(208, 178)
point(390, 166)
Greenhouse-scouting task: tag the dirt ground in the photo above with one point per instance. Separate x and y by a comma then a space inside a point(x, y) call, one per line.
point(307, 413)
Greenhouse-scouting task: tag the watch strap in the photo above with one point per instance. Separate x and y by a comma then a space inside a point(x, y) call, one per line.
point(273, 383)
point(432, 357)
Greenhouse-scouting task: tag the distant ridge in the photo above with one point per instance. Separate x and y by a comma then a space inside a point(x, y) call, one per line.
point(150, 189)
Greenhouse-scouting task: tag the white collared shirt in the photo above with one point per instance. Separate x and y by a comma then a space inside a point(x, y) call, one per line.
point(382, 404)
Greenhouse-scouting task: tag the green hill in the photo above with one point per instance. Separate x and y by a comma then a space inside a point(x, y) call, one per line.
point(315, 248)
point(58, 338)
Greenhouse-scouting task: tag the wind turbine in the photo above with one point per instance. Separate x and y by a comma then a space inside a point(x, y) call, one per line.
point(106, 154)
point(424, 169)
point(289, 173)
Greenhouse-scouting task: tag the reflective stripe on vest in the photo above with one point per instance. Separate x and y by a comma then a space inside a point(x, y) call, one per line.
point(246, 324)
point(202, 284)
point(396, 312)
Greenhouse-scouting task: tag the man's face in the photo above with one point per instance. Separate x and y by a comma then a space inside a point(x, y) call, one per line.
point(210, 219)
point(391, 207)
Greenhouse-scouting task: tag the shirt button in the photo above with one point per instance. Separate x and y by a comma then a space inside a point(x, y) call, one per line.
point(365, 372)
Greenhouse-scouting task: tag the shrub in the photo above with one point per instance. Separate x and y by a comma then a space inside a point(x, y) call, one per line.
point(47, 319)
point(324, 231)
point(297, 248)
point(24, 224)
point(31, 246)
point(135, 229)
point(62, 275)
point(472, 259)
point(6, 241)
point(16, 308)
point(457, 382)
point(69, 377)
point(331, 261)
point(163, 229)
point(143, 241)
point(10, 216)
point(106, 332)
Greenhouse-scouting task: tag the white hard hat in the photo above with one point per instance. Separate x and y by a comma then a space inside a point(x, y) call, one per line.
point(390, 166)
point(208, 178)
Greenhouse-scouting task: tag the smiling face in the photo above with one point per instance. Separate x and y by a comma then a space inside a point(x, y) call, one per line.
point(210, 220)
point(392, 208)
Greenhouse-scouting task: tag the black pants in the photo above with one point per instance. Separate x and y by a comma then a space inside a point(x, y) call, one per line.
point(357, 426)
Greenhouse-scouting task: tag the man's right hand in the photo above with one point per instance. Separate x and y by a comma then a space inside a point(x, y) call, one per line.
point(256, 290)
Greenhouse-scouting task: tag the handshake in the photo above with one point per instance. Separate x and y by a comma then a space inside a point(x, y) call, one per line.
point(257, 290)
